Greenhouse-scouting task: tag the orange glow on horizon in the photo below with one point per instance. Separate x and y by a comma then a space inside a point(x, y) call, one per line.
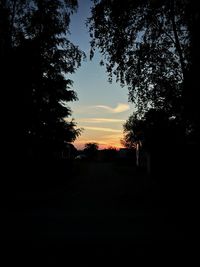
point(80, 145)
point(106, 130)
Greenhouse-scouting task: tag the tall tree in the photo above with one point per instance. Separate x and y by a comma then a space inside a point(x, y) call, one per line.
point(41, 58)
point(155, 130)
point(147, 45)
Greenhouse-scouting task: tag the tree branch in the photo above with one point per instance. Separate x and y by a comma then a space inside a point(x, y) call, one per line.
point(13, 19)
point(177, 42)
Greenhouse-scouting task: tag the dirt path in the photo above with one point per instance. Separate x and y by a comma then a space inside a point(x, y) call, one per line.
point(105, 203)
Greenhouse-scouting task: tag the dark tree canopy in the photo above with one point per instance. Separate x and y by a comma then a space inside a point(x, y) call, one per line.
point(91, 149)
point(133, 131)
point(149, 45)
point(155, 130)
point(36, 56)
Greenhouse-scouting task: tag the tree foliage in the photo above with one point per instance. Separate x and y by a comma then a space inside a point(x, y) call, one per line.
point(154, 130)
point(133, 131)
point(147, 46)
point(36, 55)
point(91, 149)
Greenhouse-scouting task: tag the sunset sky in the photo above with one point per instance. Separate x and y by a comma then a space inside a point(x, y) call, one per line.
point(102, 107)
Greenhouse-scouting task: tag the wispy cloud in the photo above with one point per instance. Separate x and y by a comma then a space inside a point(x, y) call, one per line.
point(102, 129)
point(121, 107)
point(100, 120)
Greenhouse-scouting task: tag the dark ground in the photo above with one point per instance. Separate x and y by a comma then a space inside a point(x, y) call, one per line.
point(105, 209)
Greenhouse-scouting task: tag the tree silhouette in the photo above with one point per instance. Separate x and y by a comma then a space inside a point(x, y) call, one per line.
point(155, 130)
point(91, 149)
point(150, 46)
point(160, 139)
point(133, 131)
point(37, 54)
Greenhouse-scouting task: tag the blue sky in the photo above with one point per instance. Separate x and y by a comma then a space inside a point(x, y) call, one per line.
point(102, 107)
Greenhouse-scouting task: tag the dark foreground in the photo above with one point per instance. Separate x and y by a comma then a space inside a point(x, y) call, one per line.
point(102, 210)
